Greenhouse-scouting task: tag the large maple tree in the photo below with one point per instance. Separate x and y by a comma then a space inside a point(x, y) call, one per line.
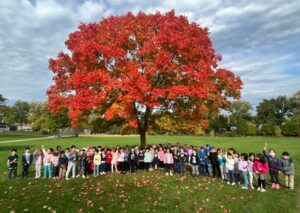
point(133, 65)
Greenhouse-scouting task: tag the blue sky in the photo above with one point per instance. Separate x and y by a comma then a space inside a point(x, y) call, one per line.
point(259, 40)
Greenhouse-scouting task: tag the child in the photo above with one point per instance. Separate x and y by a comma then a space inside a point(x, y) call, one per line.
point(121, 161)
point(274, 166)
point(147, 159)
point(181, 162)
point(221, 163)
point(115, 154)
point(81, 163)
point(287, 166)
point(108, 160)
point(97, 162)
point(12, 163)
point(132, 159)
point(202, 158)
point(243, 167)
point(229, 166)
point(161, 156)
point(169, 160)
point(26, 162)
point(62, 164)
point(212, 155)
point(236, 157)
point(141, 159)
point(251, 173)
point(260, 167)
point(155, 161)
point(103, 160)
point(175, 156)
point(38, 162)
point(47, 161)
point(72, 162)
point(55, 160)
point(195, 162)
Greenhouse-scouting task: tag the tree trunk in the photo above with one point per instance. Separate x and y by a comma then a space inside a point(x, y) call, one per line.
point(143, 138)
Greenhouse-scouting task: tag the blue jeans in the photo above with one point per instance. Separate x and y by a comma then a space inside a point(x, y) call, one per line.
point(96, 169)
point(230, 176)
point(182, 168)
point(245, 177)
point(203, 169)
point(102, 167)
point(209, 170)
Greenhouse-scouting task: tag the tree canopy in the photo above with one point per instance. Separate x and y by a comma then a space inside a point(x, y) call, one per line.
point(133, 65)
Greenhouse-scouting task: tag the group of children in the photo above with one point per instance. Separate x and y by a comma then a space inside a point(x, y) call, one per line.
point(231, 166)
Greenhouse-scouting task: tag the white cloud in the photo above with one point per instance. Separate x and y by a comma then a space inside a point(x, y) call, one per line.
point(258, 41)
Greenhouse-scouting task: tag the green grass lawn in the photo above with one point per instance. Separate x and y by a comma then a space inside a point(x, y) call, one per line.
point(146, 191)
point(8, 136)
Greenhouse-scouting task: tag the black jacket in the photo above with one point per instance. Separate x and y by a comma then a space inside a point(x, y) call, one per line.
point(24, 161)
point(195, 160)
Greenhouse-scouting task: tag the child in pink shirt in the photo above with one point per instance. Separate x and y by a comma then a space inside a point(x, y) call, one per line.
point(47, 161)
point(168, 161)
point(161, 156)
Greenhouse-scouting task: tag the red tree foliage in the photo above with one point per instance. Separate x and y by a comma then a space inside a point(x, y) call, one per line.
point(129, 66)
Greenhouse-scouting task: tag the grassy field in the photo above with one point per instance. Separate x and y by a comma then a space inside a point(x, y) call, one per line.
point(8, 136)
point(146, 191)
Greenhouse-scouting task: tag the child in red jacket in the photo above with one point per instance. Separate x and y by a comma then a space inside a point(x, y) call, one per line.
point(260, 167)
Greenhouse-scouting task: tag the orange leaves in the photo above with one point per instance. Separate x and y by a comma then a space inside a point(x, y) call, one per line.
point(118, 110)
point(157, 60)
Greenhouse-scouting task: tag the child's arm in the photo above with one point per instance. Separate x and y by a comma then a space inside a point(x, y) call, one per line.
point(265, 154)
point(44, 151)
point(8, 163)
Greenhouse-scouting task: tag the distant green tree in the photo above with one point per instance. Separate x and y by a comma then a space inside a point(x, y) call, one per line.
point(42, 120)
point(291, 128)
point(21, 112)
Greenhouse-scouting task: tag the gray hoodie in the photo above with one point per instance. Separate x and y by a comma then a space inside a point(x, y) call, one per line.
point(287, 166)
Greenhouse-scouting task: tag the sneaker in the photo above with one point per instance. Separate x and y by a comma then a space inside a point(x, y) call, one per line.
point(244, 187)
point(228, 183)
point(83, 176)
point(258, 189)
point(263, 190)
point(233, 183)
point(171, 174)
point(291, 188)
point(67, 178)
point(273, 185)
point(277, 186)
point(167, 174)
point(78, 176)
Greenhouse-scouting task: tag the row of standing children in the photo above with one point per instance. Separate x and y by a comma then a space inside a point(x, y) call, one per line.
point(229, 166)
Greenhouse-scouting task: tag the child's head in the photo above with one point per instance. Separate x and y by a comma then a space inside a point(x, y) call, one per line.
point(50, 151)
point(251, 156)
point(168, 150)
point(56, 153)
point(236, 154)
point(67, 150)
point(96, 151)
point(132, 149)
point(229, 155)
point(244, 156)
point(27, 149)
point(62, 152)
point(272, 152)
point(58, 148)
point(202, 149)
point(219, 151)
point(73, 148)
point(13, 151)
point(194, 151)
point(38, 152)
point(285, 155)
point(181, 150)
point(261, 158)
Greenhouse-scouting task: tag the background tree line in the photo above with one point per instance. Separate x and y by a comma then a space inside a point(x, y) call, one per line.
point(273, 117)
